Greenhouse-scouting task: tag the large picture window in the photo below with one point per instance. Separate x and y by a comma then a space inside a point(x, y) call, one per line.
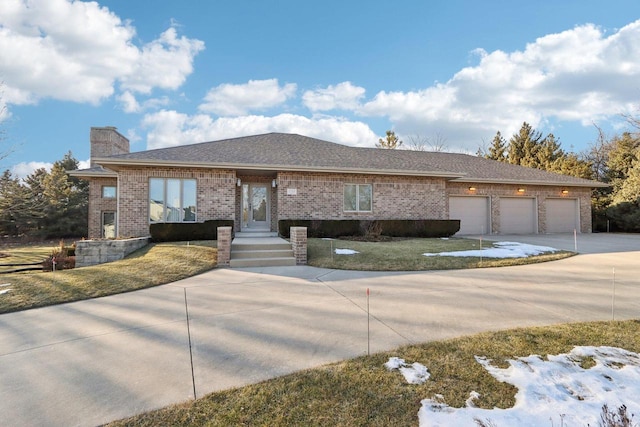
point(358, 197)
point(172, 200)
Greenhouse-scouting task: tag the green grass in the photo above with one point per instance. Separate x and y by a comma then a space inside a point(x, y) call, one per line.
point(152, 265)
point(406, 255)
point(362, 392)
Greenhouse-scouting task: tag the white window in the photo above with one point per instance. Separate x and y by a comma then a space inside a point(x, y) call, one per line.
point(172, 200)
point(358, 197)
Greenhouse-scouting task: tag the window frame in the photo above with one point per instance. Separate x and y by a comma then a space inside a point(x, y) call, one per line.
point(115, 191)
point(357, 197)
point(166, 205)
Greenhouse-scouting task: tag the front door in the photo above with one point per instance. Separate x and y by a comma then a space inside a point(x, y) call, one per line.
point(255, 206)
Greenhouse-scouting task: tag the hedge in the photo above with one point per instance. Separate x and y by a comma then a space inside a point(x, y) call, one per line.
point(356, 227)
point(187, 231)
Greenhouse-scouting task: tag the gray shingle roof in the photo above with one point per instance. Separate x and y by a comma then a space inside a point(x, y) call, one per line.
point(278, 151)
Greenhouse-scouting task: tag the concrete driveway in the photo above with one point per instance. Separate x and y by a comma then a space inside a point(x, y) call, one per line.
point(91, 362)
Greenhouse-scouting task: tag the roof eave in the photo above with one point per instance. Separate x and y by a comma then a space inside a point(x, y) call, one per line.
point(93, 174)
point(588, 184)
point(118, 163)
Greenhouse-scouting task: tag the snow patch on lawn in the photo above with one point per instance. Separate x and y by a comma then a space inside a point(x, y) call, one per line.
point(415, 373)
point(500, 250)
point(555, 388)
point(346, 252)
point(4, 291)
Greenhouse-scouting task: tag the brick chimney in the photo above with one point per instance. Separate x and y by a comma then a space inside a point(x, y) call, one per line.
point(107, 141)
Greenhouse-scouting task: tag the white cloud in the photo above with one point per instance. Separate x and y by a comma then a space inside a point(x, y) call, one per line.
point(171, 128)
point(22, 170)
point(236, 100)
point(344, 96)
point(78, 51)
point(577, 75)
point(131, 105)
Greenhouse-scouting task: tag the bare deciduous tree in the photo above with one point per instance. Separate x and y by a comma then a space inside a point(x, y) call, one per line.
point(436, 143)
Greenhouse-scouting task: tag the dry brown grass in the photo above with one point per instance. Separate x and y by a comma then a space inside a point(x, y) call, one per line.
point(361, 392)
point(406, 255)
point(153, 265)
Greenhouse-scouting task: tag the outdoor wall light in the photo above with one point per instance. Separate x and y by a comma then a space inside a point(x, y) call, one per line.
point(239, 183)
point(565, 191)
point(472, 188)
point(520, 190)
point(274, 183)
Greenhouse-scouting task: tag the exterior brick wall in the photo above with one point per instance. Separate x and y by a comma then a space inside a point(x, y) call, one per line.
point(224, 246)
point(299, 244)
point(540, 193)
point(98, 204)
point(321, 196)
point(216, 195)
point(107, 141)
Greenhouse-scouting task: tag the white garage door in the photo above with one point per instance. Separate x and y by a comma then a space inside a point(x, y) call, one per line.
point(562, 215)
point(517, 215)
point(473, 213)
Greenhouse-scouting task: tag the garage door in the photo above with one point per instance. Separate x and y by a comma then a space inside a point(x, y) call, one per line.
point(473, 213)
point(517, 215)
point(562, 215)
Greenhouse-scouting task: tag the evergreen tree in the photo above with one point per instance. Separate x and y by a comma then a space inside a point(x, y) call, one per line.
point(12, 205)
point(549, 152)
point(524, 145)
point(66, 200)
point(390, 142)
point(498, 149)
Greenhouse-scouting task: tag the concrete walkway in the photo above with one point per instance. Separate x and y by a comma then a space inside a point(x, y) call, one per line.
point(91, 362)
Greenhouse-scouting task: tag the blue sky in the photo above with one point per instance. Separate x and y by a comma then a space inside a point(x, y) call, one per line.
point(454, 72)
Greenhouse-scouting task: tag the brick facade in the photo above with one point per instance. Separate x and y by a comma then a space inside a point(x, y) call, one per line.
point(540, 193)
point(321, 196)
point(107, 141)
point(216, 195)
point(98, 205)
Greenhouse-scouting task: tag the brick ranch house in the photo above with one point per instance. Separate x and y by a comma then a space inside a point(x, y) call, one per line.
point(257, 180)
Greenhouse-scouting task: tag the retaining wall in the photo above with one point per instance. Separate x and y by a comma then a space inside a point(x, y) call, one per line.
point(92, 252)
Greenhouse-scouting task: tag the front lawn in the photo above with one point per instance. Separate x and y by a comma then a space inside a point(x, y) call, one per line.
point(361, 392)
point(407, 255)
point(155, 264)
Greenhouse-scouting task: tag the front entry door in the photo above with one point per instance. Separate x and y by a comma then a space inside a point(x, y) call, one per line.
point(255, 206)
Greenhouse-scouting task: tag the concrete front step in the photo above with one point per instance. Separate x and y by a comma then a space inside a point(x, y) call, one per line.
point(262, 262)
point(250, 250)
point(263, 253)
point(240, 246)
point(254, 234)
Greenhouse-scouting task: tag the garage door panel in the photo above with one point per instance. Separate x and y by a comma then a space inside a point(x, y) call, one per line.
point(562, 215)
point(473, 213)
point(517, 215)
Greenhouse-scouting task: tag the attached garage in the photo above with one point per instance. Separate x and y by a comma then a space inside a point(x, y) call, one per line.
point(562, 215)
point(518, 215)
point(473, 213)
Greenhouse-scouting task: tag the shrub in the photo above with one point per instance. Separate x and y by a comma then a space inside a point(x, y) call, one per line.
point(186, 231)
point(354, 227)
point(625, 216)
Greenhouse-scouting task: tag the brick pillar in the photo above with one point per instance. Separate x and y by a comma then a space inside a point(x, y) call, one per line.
point(299, 244)
point(224, 246)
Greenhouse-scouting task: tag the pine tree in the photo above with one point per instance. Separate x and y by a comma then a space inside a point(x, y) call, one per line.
point(498, 148)
point(524, 145)
point(390, 142)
